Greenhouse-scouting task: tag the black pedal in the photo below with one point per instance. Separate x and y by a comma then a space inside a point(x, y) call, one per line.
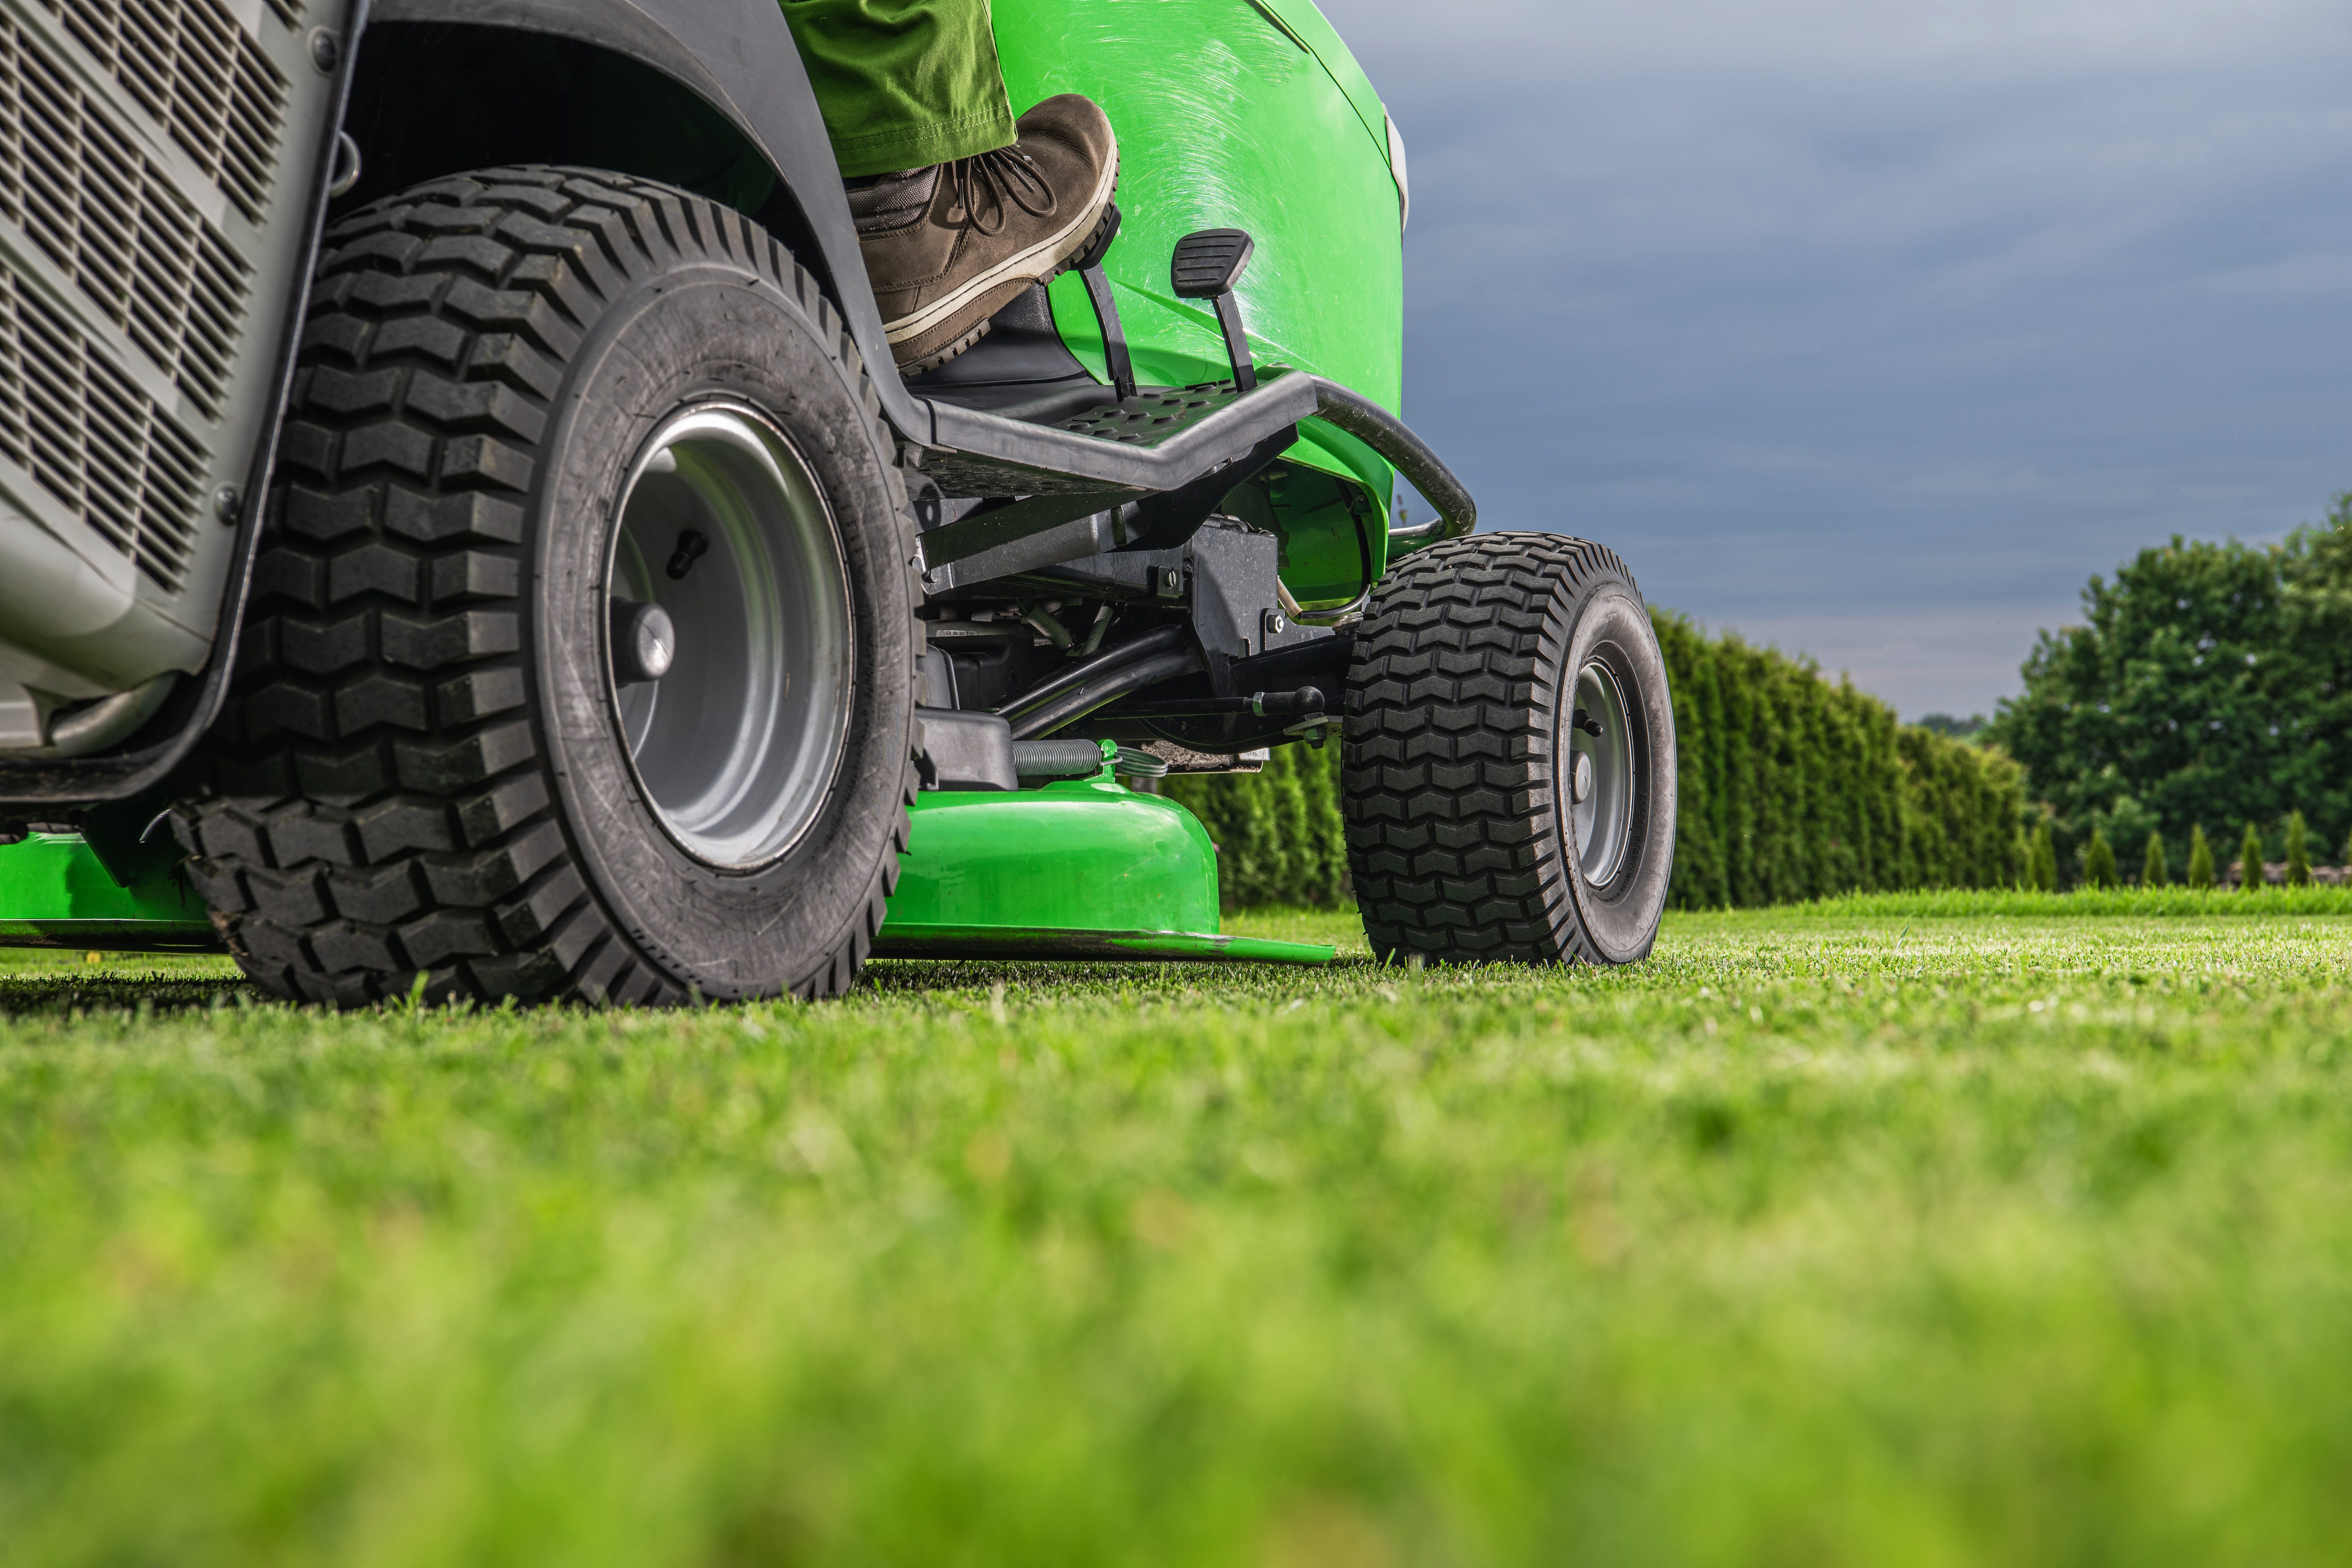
point(1206, 266)
point(1088, 266)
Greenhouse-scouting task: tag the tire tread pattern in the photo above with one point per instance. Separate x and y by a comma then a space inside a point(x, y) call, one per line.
point(1447, 777)
point(379, 803)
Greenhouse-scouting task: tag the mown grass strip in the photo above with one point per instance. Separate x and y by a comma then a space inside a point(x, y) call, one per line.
point(2149, 903)
point(1821, 1239)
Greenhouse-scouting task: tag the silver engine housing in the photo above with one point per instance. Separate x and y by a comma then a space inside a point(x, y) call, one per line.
point(157, 159)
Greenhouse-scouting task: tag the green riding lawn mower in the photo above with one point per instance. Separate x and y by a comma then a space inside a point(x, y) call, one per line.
point(462, 528)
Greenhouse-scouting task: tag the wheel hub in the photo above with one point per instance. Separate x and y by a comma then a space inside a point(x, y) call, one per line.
point(729, 636)
point(1600, 744)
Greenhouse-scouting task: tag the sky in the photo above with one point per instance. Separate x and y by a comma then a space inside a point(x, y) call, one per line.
point(1871, 329)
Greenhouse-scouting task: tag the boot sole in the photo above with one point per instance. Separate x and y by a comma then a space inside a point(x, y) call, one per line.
point(995, 277)
point(932, 362)
point(929, 362)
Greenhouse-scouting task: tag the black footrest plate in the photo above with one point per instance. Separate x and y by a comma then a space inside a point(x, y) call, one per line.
point(1154, 413)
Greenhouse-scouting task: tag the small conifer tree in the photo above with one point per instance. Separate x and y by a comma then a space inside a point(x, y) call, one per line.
point(2201, 858)
point(2153, 871)
point(2099, 860)
point(2298, 851)
point(2045, 858)
point(2250, 859)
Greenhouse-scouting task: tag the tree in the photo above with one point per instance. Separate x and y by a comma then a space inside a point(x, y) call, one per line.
point(2206, 680)
point(2153, 872)
point(2250, 858)
point(2201, 858)
point(1945, 724)
point(2298, 851)
point(2099, 861)
point(2043, 863)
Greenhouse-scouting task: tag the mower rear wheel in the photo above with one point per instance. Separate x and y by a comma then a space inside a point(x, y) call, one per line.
point(581, 657)
point(1509, 764)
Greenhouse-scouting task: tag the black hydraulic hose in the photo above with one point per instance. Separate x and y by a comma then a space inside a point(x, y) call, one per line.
point(1110, 659)
point(1072, 706)
point(1384, 433)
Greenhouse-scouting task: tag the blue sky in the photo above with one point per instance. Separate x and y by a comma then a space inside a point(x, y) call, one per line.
point(1872, 328)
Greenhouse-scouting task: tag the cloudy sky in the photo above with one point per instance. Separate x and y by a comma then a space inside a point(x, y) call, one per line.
point(1872, 328)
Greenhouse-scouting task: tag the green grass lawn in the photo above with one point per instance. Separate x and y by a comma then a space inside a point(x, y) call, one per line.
point(1868, 1239)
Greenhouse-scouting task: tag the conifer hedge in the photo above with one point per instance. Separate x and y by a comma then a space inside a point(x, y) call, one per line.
point(1278, 834)
point(1792, 788)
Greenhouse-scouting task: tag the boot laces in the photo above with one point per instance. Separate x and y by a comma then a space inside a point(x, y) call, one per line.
point(1006, 178)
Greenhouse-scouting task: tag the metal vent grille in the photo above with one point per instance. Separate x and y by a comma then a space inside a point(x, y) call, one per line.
point(190, 65)
point(80, 190)
point(93, 440)
point(288, 11)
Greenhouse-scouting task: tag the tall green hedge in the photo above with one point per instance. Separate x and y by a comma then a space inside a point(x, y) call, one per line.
point(1278, 834)
point(1794, 788)
point(1790, 788)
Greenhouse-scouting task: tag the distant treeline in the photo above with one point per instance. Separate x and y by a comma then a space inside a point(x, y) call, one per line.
point(1791, 788)
point(2208, 686)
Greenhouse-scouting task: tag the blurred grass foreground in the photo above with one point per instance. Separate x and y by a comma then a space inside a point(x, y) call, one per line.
point(1824, 1238)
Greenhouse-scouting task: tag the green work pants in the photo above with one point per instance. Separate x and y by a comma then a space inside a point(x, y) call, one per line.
point(903, 83)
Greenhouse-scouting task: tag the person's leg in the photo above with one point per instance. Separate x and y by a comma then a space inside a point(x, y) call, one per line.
point(959, 208)
point(903, 83)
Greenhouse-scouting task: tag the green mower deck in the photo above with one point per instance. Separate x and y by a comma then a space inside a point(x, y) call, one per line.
point(1086, 869)
point(1091, 870)
point(53, 892)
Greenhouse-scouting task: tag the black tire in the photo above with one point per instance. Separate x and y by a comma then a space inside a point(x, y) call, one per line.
point(421, 769)
point(1457, 696)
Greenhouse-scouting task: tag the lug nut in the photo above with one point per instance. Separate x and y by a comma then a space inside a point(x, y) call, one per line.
point(645, 642)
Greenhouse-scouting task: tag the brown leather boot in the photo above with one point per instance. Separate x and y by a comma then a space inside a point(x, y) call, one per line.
point(950, 246)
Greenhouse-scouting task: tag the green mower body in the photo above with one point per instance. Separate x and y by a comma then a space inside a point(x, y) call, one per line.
point(1254, 116)
point(519, 564)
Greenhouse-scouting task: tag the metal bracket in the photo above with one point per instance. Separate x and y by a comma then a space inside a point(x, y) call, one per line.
point(1073, 540)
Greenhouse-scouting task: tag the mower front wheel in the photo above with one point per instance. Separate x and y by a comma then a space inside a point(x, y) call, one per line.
point(1509, 764)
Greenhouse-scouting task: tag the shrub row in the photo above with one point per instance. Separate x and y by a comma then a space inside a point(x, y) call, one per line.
point(1278, 834)
point(1792, 788)
point(2101, 868)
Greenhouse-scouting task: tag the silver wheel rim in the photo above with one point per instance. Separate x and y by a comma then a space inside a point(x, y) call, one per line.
point(1602, 818)
point(736, 745)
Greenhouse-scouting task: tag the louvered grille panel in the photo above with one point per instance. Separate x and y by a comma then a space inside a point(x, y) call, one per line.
point(158, 160)
point(93, 440)
point(190, 65)
point(80, 189)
